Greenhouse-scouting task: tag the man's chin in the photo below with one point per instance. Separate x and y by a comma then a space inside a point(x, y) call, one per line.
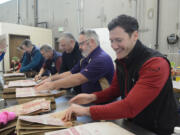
point(84, 54)
point(120, 57)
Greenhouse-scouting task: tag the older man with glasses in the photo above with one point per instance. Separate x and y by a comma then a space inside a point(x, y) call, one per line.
point(94, 72)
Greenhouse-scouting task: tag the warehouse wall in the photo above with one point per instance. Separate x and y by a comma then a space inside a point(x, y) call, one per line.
point(170, 23)
point(73, 15)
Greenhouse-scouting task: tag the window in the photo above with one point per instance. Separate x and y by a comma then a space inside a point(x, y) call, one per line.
point(4, 1)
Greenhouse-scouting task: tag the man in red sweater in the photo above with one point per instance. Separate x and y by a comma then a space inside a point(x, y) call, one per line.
point(142, 79)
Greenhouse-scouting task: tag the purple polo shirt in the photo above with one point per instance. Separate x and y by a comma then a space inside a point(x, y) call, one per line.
point(94, 67)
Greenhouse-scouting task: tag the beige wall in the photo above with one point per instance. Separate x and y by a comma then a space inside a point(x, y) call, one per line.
point(38, 36)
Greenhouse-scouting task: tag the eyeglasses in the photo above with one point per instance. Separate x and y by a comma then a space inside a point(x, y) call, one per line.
point(82, 43)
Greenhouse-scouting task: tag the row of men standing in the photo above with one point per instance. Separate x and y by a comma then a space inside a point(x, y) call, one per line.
point(98, 73)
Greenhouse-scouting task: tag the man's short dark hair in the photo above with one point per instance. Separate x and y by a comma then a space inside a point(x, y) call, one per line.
point(27, 43)
point(46, 48)
point(128, 23)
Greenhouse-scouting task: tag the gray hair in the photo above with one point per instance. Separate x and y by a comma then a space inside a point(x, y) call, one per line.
point(2, 38)
point(67, 36)
point(46, 48)
point(27, 43)
point(91, 34)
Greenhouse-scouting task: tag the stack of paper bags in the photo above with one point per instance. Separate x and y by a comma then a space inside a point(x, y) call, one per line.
point(9, 90)
point(28, 94)
point(13, 76)
point(29, 108)
point(9, 128)
point(96, 128)
point(38, 125)
point(21, 83)
point(32, 107)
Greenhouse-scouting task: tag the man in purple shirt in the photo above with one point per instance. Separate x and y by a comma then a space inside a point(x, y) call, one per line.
point(94, 72)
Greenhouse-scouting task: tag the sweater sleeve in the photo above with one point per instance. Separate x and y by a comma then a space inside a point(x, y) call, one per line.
point(2, 56)
point(24, 60)
point(35, 61)
point(152, 77)
point(109, 93)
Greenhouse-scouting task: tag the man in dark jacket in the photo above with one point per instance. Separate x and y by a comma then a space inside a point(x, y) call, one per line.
point(142, 79)
point(71, 53)
point(33, 59)
point(51, 66)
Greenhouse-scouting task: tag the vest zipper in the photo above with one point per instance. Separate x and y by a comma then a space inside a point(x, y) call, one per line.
point(126, 77)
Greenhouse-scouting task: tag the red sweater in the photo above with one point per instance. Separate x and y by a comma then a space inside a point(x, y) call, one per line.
point(147, 88)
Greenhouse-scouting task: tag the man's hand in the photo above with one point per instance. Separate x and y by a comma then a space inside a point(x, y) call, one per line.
point(37, 77)
point(45, 86)
point(83, 99)
point(44, 77)
point(44, 81)
point(18, 71)
point(76, 110)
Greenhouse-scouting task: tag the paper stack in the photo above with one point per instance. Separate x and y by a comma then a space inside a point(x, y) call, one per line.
point(31, 92)
point(29, 108)
point(32, 107)
point(9, 90)
point(9, 128)
point(38, 125)
point(96, 128)
point(23, 95)
point(21, 83)
point(13, 76)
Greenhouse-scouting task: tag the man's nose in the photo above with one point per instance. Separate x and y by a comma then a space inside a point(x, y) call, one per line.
point(80, 47)
point(114, 45)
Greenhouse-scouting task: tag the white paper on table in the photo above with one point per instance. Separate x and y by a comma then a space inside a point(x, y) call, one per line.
point(13, 74)
point(25, 92)
point(46, 120)
point(22, 83)
point(31, 92)
point(96, 128)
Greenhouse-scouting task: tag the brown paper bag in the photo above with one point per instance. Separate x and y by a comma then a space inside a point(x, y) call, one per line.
point(96, 128)
point(35, 125)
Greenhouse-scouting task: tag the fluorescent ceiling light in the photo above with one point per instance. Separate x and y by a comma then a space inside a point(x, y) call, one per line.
point(3, 1)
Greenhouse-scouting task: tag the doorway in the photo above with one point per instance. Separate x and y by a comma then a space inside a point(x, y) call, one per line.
point(14, 42)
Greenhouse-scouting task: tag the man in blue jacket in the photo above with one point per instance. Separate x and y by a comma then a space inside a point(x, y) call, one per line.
point(51, 66)
point(33, 60)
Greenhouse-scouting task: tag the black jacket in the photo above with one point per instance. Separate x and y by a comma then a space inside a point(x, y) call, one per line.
point(70, 59)
point(161, 115)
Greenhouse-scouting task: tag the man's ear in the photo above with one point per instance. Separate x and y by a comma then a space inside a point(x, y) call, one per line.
point(135, 35)
point(92, 41)
point(72, 41)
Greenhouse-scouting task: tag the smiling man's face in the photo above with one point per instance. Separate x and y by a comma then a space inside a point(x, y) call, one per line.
point(121, 42)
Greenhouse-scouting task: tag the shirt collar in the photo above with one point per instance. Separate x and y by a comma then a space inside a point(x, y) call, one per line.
point(93, 53)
